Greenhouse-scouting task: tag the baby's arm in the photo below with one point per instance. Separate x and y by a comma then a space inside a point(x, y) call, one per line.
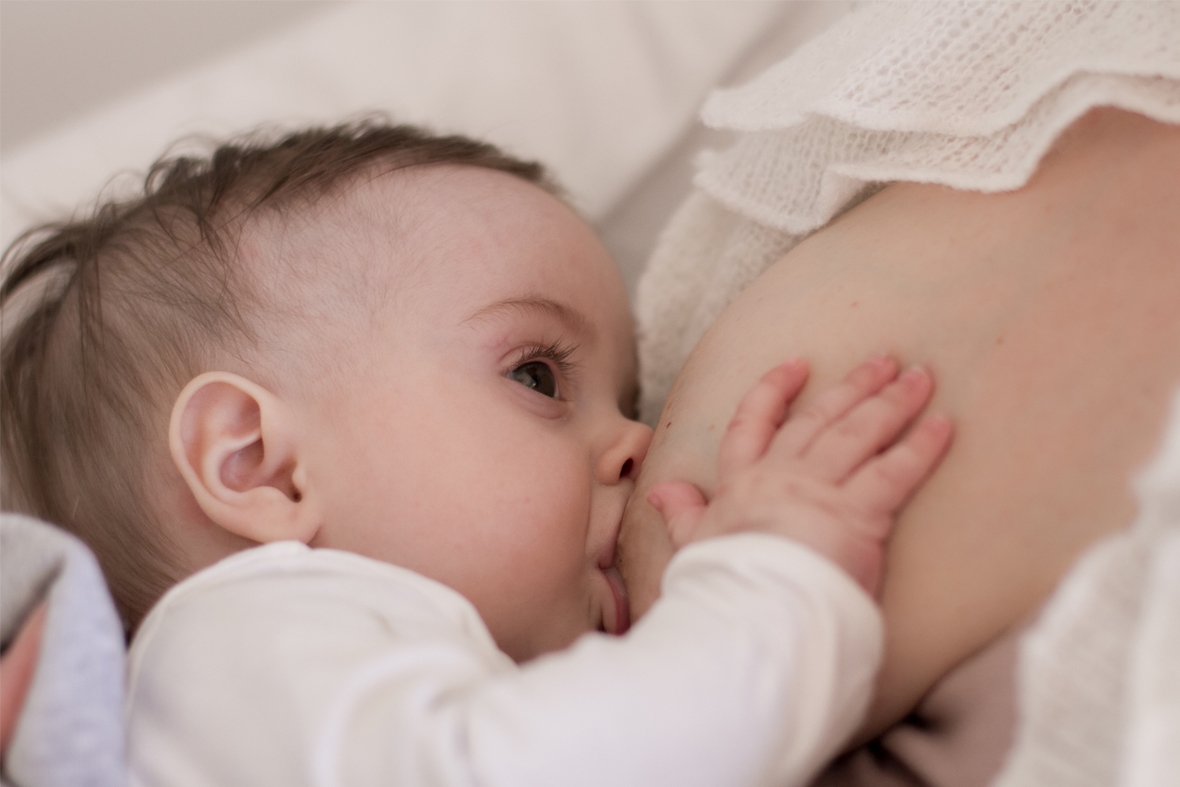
point(831, 477)
point(290, 665)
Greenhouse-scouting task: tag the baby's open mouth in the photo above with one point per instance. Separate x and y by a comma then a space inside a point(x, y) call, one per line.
point(621, 620)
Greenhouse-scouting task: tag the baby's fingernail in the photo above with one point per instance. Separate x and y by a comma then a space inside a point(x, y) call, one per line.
point(791, 365)
point(655, 501)
point(937, 423)
point(914, 374)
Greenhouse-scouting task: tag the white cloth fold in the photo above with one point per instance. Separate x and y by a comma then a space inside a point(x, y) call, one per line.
point(1099, 681)
point(965, 94)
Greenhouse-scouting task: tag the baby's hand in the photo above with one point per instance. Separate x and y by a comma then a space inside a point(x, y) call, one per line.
point(831, 477)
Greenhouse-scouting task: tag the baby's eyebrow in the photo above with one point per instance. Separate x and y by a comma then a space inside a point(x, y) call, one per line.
point(574, 320)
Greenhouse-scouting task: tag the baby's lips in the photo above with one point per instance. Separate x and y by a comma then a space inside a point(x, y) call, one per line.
point(620, 621)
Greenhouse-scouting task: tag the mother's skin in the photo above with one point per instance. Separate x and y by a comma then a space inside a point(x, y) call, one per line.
point(1050, 317)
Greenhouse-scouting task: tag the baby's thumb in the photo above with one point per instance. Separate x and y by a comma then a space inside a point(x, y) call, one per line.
point(681, 505)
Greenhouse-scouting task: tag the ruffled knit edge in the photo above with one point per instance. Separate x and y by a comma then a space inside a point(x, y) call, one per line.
point(848, 73)
point(766, 176)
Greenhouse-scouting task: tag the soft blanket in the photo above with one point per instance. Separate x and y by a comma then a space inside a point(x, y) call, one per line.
point(70, 730)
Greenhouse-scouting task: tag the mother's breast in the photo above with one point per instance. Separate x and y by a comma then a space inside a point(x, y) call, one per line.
point(1051, 319)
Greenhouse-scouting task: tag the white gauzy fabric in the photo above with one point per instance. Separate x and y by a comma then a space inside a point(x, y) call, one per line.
point(969, 95)
point(287, 665)
point(1100, 671)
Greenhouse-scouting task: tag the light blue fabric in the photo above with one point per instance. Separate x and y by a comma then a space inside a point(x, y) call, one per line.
point(70, 732)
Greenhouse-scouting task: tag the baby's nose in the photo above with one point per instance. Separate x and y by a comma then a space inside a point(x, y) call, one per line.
point(623, 459)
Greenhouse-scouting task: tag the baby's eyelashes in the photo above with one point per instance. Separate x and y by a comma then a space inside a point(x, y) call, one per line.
point(546, 369)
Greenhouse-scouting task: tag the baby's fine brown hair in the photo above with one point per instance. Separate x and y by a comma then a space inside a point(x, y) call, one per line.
point(133, 300)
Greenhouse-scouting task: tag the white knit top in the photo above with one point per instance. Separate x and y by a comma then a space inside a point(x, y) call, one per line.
point(969, 95)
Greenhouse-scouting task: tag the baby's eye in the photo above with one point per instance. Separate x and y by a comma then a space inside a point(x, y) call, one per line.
point(536, 375)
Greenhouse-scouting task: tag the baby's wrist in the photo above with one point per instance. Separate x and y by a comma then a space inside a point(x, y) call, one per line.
point(758, 556)
point(854, 551)
point(858, 557)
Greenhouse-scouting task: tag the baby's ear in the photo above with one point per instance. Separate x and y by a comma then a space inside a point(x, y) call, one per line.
point(236, 445)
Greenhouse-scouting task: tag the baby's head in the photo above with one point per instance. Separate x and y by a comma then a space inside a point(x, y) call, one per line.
point(364, 338)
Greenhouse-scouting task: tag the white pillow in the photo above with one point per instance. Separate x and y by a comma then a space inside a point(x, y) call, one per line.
point(598, 91)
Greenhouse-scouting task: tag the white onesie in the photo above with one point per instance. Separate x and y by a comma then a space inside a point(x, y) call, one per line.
point(285, 665)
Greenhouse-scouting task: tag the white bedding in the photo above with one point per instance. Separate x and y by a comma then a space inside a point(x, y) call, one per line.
point(601, 92)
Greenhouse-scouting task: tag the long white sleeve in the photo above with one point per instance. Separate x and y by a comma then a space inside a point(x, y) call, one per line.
point(285, 665)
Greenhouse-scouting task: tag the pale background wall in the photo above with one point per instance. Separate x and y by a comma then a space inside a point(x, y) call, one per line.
point(60, 59)
point(605, 92)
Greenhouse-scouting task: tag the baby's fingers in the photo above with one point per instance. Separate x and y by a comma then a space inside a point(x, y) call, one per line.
point(681, 505)
point(870, 427)
point(882, 484)
point(759, 415)
point(831, 405)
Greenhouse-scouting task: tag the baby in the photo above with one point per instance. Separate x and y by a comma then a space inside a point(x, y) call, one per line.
point(350, 413)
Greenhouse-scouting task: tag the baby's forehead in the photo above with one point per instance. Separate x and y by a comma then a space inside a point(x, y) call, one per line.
point(359, 231)
point(424, 206)
point(445, 240)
